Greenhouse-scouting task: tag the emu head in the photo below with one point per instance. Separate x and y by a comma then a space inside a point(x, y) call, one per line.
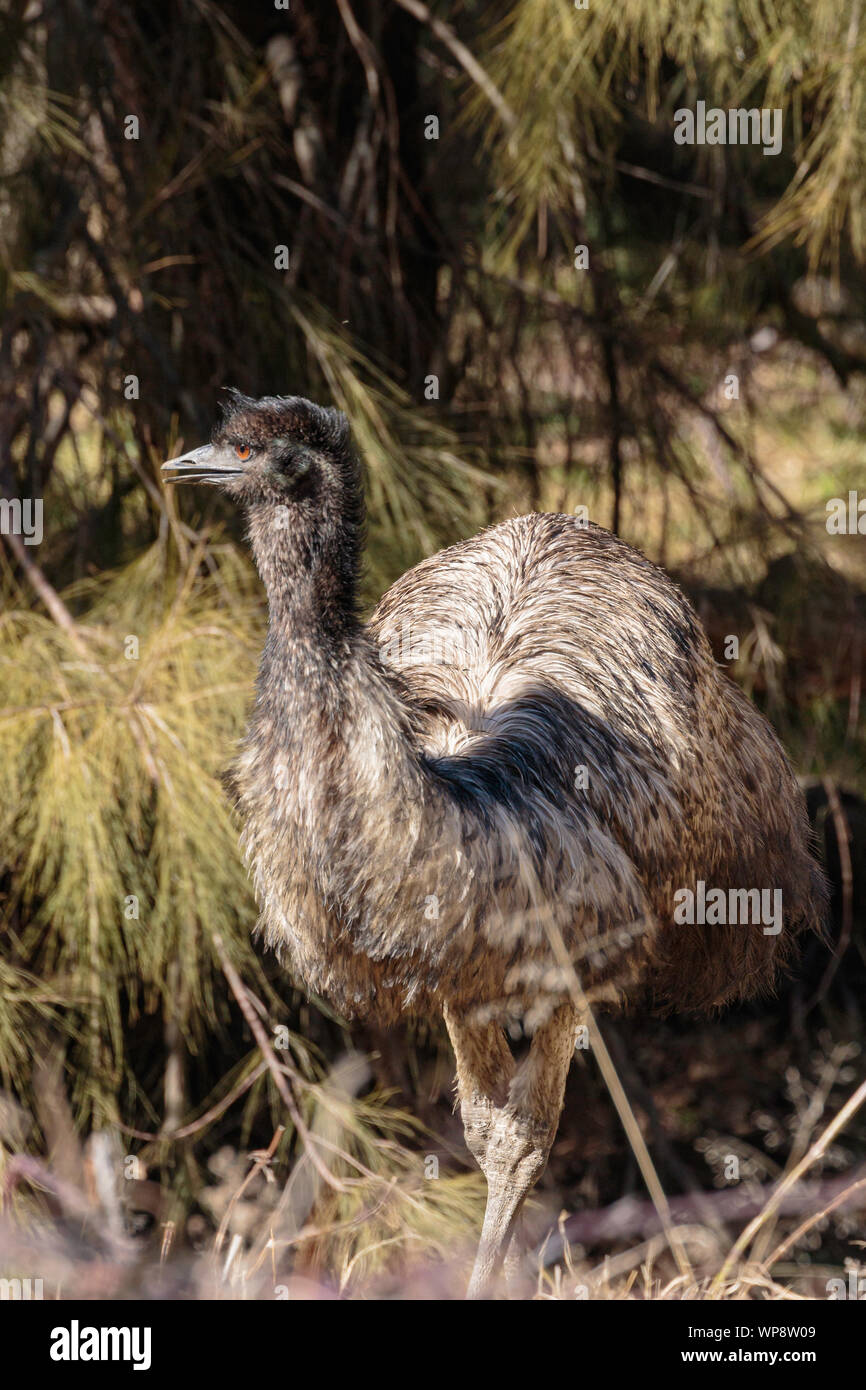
point(292, 466)
point(277, 450)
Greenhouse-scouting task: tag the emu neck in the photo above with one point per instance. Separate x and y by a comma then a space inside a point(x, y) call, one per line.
point(323, 694)
point(309, 574)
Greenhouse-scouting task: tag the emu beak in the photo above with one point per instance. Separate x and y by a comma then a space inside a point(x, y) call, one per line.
point(205, 465)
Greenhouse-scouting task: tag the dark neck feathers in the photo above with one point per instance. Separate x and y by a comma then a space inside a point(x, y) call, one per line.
point(307, 549)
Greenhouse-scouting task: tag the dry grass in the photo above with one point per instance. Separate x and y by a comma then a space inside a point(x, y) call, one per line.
point(355, 1212)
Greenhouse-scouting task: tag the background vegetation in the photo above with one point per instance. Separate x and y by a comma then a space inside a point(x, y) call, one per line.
point(153, 160)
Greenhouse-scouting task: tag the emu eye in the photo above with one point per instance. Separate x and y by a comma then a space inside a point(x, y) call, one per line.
point(243, 452)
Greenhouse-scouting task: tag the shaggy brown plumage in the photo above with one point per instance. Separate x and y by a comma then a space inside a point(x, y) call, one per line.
point(528, 745)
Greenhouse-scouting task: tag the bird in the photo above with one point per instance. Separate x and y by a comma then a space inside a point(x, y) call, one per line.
point(522, 787)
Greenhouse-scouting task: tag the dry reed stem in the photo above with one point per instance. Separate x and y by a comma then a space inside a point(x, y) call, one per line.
point(850, 1108)
point(621, 1102)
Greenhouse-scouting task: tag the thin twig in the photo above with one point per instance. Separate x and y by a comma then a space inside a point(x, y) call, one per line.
point(458, 50)
point(621, 1102)
point(811, 1221)
point(261, 1160)
point(46, 592)
point(851, 1106)
point(843, 837)
point(257, 1028)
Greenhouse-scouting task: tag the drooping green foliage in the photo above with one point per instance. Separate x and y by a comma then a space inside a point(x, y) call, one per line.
point(114, 824)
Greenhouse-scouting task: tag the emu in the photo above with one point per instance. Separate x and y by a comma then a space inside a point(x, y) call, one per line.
point(485, 802)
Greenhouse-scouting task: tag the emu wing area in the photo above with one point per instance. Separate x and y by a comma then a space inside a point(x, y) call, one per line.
point(552, 667)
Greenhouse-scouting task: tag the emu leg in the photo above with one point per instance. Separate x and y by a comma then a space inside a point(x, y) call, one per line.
point(510, 1115)
point(485, 1068)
